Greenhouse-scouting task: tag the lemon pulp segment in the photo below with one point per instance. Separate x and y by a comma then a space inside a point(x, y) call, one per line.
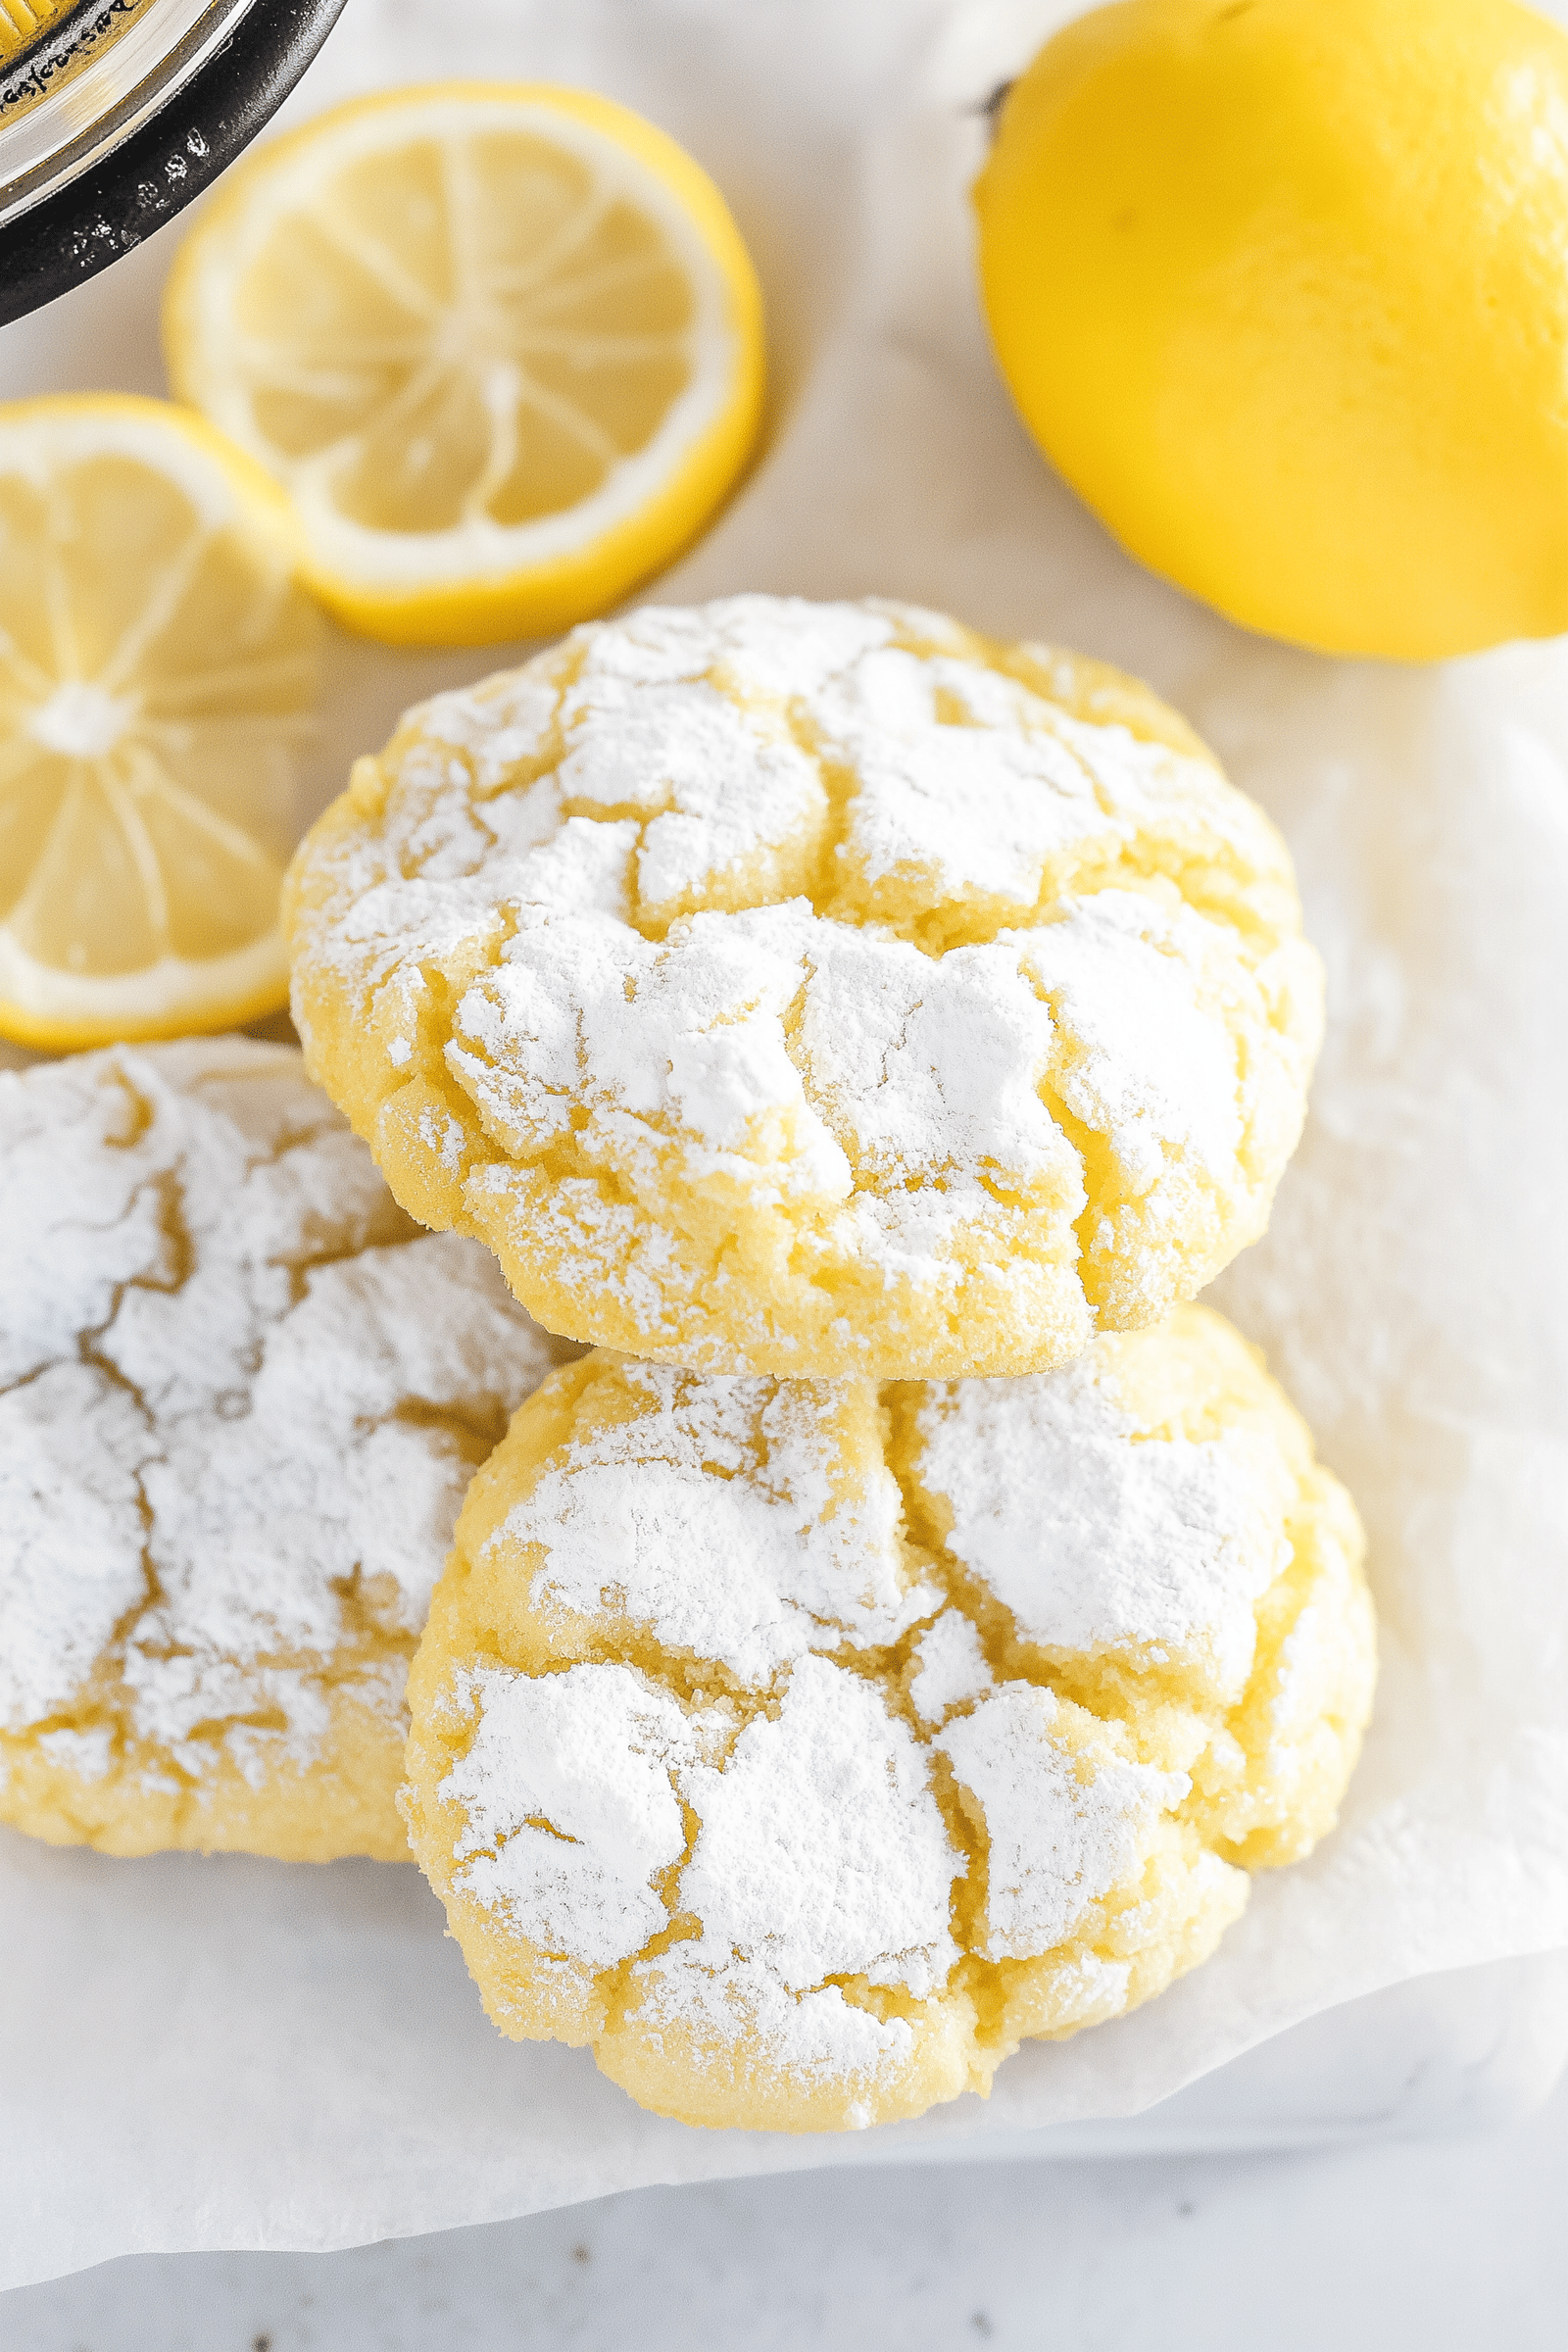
point(502, 345)
point(155, 661)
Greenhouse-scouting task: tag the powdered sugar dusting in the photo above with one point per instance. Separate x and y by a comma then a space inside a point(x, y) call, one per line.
point(243, 1397)
point(821, 1850)
point(712, 1519)
point(1094, 1541)
point(806, 1726)
point(951, 1667)
point(717, 2005)
point(822, 914)
point(1147, 1062)
point(1060, 1831)
point(70, 1576)
point(570, 1808)
point(976, 803)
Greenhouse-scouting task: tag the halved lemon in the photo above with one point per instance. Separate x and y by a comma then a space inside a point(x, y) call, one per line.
point(501, 344)
point(157, 658)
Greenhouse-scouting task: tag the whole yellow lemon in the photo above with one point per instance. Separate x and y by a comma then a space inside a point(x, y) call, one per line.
point(1280, 287)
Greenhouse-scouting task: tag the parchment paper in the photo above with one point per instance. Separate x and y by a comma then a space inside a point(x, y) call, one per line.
point(238, 2053)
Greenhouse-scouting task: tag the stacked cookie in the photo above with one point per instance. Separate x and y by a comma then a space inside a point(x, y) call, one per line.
point(241, 1397)
point(910, 1626)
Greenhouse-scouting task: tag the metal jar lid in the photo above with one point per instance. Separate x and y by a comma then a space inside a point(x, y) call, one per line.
point(114, 113)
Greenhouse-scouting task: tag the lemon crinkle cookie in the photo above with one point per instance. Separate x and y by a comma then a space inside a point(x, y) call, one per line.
point(803, 1745)
point(818, 989)
point(241, 1397)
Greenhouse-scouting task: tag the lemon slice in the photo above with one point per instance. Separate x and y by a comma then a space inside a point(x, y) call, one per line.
point(156, 658)
point(501, 344)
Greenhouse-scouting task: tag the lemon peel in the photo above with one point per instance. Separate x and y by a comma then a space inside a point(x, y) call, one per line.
point(1277, 286)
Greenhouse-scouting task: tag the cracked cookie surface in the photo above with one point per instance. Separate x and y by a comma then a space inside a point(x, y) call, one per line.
point(241, 1397)
point(805, 1745)
point(818, 989)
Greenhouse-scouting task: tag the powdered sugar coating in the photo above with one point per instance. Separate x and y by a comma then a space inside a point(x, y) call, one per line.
point(1057, 1836)
point(1094, 1542)
point(810, 987)
point(821, 1851)
point(725, 1519)
point(949, 1667)
point(242, 1396)
point(570, 1808)
point(796, 1634)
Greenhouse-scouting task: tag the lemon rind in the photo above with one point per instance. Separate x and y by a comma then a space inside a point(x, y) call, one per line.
point(68, 1011)
point(165, 434)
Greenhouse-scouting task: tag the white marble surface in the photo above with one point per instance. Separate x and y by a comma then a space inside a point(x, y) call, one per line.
point(1454, 2245)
